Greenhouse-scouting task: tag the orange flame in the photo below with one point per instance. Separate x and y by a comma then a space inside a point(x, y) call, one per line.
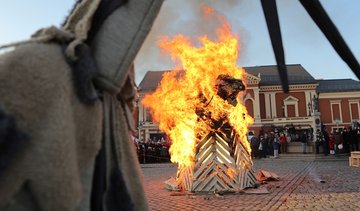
point(174, 102)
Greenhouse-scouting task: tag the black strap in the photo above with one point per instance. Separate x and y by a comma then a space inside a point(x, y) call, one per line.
point(109, 191)
point(272, 21)
point(105, 8)
point(323, 21)
point(99, 181)
point(12, 140)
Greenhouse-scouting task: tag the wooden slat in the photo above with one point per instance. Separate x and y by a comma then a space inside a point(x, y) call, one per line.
point(207, 143)
point(244, 163)
point(204, 186)
point(216, 185)
point(212, 163)
point(185, 179)
point(205, 139)
point(229, 181)
point(204, 156)
point(222, 154)
point(222, 141)
point(203, 166)
point(201, 180)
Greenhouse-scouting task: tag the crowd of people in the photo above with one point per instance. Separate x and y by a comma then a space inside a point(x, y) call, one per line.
point(336, 142)
point(271, 143)
point(153, 150)
point(276, 141)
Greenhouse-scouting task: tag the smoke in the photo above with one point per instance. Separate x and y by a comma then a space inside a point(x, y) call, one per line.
point(181, 17)
point(300, 34)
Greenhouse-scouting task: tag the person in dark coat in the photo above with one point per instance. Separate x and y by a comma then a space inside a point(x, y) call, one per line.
point(276, 145)
point(345, 140)
point(331, 143)
point(325, 142)
point(254, 144)
point(283, 143)
point(304, 141)
point(318, 141)
point(270, 140)
point(352, 139)
point(337, 141)
point(262, 150)
point(266, 144)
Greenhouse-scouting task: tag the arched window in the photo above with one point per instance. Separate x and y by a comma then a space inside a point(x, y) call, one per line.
point(291, 106)
point(249, 104)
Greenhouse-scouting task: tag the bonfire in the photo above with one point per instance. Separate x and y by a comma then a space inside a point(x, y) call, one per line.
point(198, 106)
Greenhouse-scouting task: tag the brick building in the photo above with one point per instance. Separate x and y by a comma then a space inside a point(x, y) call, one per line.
point(310, 102)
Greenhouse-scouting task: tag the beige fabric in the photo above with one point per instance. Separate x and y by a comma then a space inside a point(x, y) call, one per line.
point(65, 135)
point(121, 37)
point(117, 133)
point(79, 22)
point(115, 48)
point(44, 35)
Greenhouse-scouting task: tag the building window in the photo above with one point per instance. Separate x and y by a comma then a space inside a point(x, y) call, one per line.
point(291, 110)
point(291, 107)
point(336, 111)
point(354, 110)
point(249, 104)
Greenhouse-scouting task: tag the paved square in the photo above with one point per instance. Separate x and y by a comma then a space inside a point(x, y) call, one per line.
point(306, 183)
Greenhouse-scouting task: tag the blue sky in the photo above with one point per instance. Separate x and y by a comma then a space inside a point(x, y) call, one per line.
point(303, 42)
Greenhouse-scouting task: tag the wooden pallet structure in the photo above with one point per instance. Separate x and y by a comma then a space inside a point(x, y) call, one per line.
point(354, 159)
point(221, 164)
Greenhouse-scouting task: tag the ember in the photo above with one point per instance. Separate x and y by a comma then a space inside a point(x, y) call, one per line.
point(199, 111)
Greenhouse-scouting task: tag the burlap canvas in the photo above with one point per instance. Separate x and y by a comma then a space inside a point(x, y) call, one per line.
point(37, 87)
point(65, 135)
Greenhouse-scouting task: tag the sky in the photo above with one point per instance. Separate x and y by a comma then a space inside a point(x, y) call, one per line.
point(303, 42)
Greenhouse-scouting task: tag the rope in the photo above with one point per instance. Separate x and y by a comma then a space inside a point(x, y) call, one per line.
point(79, 23)
point(44, 35)
point(74, 31)
point(115, 109)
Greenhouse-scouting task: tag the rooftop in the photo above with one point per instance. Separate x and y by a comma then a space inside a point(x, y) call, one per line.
point(269, 76)
point(151, 80)
point(338, 85)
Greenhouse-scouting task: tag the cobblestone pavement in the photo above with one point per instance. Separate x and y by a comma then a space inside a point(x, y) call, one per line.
point(323, 183)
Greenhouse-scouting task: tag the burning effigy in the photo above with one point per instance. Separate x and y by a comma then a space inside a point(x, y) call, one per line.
point(198, 106)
